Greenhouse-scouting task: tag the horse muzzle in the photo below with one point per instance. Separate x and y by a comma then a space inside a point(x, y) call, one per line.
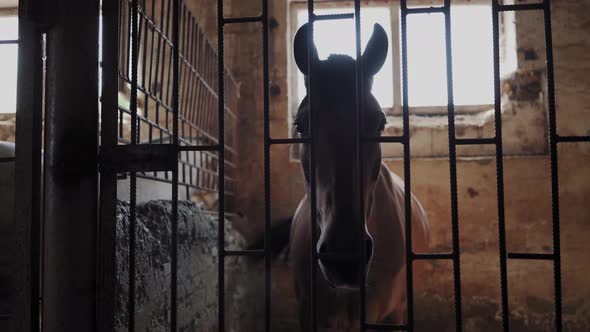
point(345, 269)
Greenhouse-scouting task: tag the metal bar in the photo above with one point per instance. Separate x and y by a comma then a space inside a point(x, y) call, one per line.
point(520, 255)
point(453, 170)
point(475, 141)
point(313, 120)
point(175, 140)
point(330, 17)
point(108, 179)
point(138, 157)
point(221, 165)
point(521, 7)
point(8, 41)
point(246, 253)
point(385, 139)
point(425, 10)
point(554, 167)
point(500, 167)
point(407, 178)
point(27, 171)
point(232, 20)
point(359, 198)
point(432, 256)
point(277, 141)
point(199, 148)
point(267, 189)
point(134, 47)
point(71, 162)
point(386, 327)
point(572, 139)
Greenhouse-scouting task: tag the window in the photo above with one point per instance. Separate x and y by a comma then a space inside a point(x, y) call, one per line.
point(471, 50)
point(472, 61)
point(8, 63)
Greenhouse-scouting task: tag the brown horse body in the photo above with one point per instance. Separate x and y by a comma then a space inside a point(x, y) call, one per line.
point(345, 230)
point(386, 281)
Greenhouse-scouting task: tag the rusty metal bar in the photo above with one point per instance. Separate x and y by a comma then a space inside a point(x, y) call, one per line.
point(425, 10)
point(518, 255)
point(453, 169)
point(500, 167)
point(252, 19)
point(429, 256)
point(175, 144)
point(521, 7)
point(330, 17)
point(553, 140)
point(359, 98)
point(221, 165)
point(267, 189)
point(572, 139)
point(407, 169)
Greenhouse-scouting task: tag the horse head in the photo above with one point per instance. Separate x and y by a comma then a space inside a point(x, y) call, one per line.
point(332, 84)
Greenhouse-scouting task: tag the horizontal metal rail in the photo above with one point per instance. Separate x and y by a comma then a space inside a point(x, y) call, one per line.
point(331, 17)
point(521, 7)
point(251, 19)
point(475, 141)
point(386, 327)
point(432, 256)
point(425, 10)
point(572, 139)
point(531, 256)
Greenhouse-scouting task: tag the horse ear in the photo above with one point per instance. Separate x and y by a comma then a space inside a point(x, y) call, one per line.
point(300, 48)
point(376, 51)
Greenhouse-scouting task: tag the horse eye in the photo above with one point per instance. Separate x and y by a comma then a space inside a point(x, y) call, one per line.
point(300, 128)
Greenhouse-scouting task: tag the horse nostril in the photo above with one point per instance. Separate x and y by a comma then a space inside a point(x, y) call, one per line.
point(368, 249)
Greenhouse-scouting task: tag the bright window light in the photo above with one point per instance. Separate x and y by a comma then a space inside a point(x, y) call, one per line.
point(337, 37)
point(472, 53)
point(8, 64)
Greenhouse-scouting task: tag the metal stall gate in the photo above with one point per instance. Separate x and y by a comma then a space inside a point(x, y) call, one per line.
point(168, 116)
point(179, 128)
point(454, 256)
point(124, 152)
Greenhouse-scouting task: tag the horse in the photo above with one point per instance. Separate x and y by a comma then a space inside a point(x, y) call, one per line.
point(333, 86)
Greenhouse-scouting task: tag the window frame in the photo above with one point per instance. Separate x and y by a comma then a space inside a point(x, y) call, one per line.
point(4, 13)
point(394, 7)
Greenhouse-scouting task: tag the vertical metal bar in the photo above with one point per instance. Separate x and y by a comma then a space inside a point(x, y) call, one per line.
point(407, 183)
point(267, 197)
point(453, 169)
point(221, 167)
point(175, 114)
point(500, 167)
point(358, 146)
point(312, 171)
point(27, 193)
point(554, 169)
point(133, 177)
point(108, 179)
point(70, 278)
